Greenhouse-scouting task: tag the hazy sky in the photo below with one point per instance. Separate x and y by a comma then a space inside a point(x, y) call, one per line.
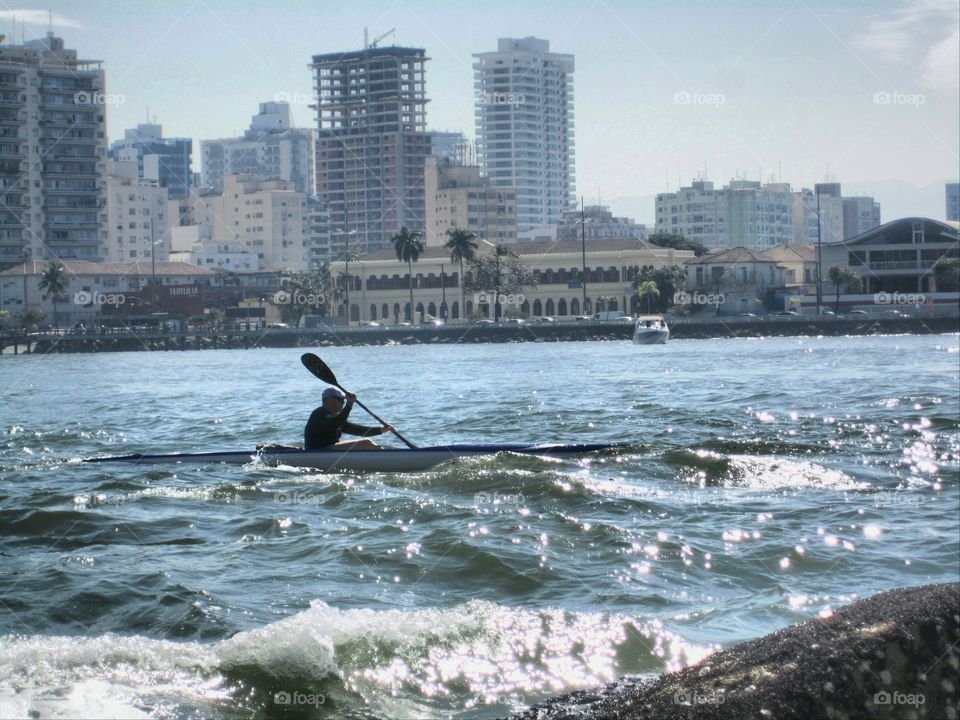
point(664, 91)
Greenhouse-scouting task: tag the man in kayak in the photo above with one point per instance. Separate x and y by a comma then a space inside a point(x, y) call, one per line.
point(330, 420)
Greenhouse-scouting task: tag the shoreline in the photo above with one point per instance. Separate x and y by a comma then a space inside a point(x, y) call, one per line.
point(680, 329)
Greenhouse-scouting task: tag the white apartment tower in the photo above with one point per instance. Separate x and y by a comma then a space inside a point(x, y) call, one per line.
point(524, 120)
point(137, 216)
point(52, 153)
point(270, 148)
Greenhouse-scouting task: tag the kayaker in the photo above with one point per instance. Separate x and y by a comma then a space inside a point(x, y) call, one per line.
point(330, 420)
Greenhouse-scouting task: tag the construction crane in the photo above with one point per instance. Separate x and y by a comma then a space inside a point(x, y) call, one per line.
point(370, 45)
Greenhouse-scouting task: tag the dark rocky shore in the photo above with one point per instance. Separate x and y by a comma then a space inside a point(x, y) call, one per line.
point(894, 655)
point(127, 339)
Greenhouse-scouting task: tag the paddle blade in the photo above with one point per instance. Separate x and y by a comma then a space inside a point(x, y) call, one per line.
point(319, 368)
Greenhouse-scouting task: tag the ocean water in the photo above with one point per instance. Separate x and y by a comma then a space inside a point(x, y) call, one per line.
point(767, 481)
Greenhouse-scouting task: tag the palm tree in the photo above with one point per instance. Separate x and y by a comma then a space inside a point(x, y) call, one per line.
point(409, 245)
point(54, 281)
point(646, 289)
point(462, 245)
point(843, 277)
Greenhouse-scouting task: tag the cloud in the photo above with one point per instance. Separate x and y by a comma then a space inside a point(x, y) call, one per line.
point(36, 17)
point(924, 34)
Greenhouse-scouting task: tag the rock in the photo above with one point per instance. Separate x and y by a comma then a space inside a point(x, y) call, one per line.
point(894, 655)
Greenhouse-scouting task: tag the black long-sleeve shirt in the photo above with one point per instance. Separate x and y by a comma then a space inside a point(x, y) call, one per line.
point(324, 429)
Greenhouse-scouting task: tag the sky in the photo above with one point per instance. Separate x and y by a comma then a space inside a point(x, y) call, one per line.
point(863, 92)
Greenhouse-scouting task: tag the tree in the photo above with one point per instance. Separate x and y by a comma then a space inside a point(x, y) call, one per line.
point(646, 289)
point(302, 292)
point(946, 272)
point(53, 280)
point(409, 247)
point(500, 273)
point(844, 277)
point(462, 245)
point(670, 280)
point(678, 242)
point(4, 318)
point(31, 316)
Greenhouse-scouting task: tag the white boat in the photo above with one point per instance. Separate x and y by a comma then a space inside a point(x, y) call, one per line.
point(383, 460)
point(651, 330)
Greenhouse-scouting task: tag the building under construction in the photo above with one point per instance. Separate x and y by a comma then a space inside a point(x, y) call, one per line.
point(372, 144)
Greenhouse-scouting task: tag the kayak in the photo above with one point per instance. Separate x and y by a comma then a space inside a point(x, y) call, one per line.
point(384, 460)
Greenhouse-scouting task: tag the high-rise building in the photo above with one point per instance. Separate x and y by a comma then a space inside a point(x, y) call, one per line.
point(137, 216)
point(748, 214)
point(270, 148)
point(372, 144)
point(52, 153)
point(953, 201)
point(524, 120)
point(165, 161)
point(268, 217)
point(458, 196)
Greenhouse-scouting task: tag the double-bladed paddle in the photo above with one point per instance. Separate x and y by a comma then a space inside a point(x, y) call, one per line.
point(319, 369)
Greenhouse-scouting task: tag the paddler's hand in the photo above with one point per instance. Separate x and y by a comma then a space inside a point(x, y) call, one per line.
point(351, 397)
point(386, 429)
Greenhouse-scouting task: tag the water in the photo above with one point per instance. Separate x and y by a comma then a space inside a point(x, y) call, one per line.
point(768, 481)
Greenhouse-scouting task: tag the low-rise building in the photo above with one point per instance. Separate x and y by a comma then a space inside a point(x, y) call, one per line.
point(596, 222)
point(379, 283)
point(98, 288)
point(897, 257)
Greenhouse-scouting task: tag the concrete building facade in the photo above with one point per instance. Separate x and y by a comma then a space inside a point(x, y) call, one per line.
point(459, 196)
point(596, 222)
point(136, 216)
point(953, 201)
point(53, 172)
point(372, 144)
point(268, 217)
point(524, 112)
point(270, 147)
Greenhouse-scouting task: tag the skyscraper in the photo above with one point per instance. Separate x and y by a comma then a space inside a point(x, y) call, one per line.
point(372, 144)
point(52, 153)
point(524, 118)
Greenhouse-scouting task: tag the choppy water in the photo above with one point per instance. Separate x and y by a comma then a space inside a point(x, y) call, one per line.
point(769, 481)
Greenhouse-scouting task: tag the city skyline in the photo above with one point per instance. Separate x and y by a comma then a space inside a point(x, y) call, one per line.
point(795, 90)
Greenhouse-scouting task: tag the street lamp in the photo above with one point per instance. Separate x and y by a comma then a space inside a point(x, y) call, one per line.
point(346, 260)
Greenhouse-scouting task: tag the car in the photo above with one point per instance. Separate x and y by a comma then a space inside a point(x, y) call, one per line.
point(584, 317)
point(858, 312)
point(544, 320)
point(484, 321)
point(783, 313)
point(370, 323)
point(827, 312)
point(623, 318)
point(514, 321)
point(279, 326)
